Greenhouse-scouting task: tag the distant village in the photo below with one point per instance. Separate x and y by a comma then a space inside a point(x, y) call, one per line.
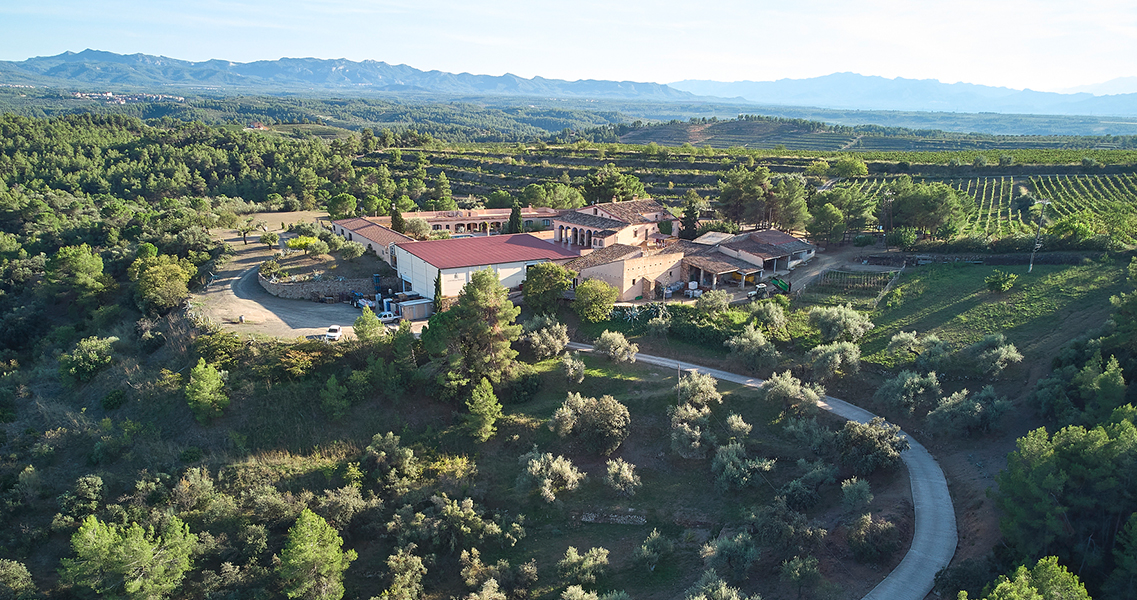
point(112, 98)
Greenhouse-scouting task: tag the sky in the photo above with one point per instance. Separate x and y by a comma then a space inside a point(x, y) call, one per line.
point(1045, 45)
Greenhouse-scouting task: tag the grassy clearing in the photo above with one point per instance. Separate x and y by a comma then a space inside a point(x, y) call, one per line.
point(1042, 311)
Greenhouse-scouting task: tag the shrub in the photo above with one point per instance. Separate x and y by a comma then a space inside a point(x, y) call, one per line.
point(873, 540)
point(573, 367)
point(960, 414)
point(840, 323)
point(793, 396)
point(514, 581)
point(753, 349)
point(737, 427)
point(594, 300)
point(992, 354)
point(866, 447)
point(732, 555)
point(87, 358)
point(855, 494)
point(583, 568)
point(622, 477)
point(931, 352)
point(352, 250)
point(699, 390)
point(808, 433)
point(909, 392)
point(600, 423)
point(658, 326)
point(16, 581)
point(1000, 281)
point(688, 437)
point(902, 237)
point(785, 531)
point(334, 399)
point(711, 587)
point(547, 475)
point(113, 399)
point(654, 548)
point(367, 327)
point(827, 360)
point(769, 314)
point(800, 572)
point(734, 471)
point(616, 347)
point(712, 302)
point(545, 336)
point(861, 241)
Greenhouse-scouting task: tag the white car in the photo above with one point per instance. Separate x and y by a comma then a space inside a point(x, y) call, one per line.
point(335, 332)
point(388, 317)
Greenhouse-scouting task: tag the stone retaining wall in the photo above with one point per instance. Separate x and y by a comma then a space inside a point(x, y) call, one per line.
point(307, 290)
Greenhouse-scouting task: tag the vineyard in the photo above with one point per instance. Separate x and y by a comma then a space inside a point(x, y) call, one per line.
point(1000, 210)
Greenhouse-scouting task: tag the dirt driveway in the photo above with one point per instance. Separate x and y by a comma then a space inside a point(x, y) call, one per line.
point(235, 292)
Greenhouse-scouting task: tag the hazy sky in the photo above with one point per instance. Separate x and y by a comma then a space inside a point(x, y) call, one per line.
point(1045, 45)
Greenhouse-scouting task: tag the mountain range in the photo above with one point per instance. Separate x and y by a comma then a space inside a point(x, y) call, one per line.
point(97, 68)
point(845, 91)
point(851, 91)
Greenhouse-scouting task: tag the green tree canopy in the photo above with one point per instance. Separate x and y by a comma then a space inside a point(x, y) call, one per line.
point(76, 268)
point(607, 184)
point(129, 561)
point(205, 391)
point(544, 284)
point(341, 206)
point(312, 561)
point(473, 339)
point(594, 300)
point(742, 194)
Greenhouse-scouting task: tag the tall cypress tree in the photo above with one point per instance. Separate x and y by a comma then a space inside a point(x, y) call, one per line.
point(438, 292)
point(397, 222)
point(514, 225)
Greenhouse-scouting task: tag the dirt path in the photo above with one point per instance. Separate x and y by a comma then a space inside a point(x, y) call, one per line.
point(935, 537)
point(235, 292)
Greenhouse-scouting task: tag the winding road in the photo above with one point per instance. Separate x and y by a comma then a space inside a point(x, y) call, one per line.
point(934, 538)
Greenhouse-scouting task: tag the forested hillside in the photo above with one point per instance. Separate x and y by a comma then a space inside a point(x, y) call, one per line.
point(146, 452)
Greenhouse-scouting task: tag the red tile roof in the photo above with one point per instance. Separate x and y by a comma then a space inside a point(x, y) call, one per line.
point(486, 250)
point(372, 231)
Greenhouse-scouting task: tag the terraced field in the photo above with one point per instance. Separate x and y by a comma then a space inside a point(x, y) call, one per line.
point(1000, 212)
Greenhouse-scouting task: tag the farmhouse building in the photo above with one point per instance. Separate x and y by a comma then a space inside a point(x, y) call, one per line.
point(631, 223)
point(456, 260)
point(372, 235)
point(483, 220)
point(711, 261)
point(635, 271)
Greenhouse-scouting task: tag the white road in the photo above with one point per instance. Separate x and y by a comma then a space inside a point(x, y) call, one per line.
point(934, 538)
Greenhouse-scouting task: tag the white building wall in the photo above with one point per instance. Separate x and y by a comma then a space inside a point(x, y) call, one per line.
point(420, 274)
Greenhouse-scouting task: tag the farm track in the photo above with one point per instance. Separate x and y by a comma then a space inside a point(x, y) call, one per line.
point(934, 537)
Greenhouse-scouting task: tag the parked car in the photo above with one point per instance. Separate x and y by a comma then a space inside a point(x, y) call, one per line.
point(335, 332)
point(388, 317)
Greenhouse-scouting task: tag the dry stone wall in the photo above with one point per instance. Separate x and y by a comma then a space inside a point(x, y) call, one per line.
point(307, 290)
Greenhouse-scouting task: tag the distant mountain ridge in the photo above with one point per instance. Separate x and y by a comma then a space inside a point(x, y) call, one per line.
point(98, 68)
point(851, 91)
point(107, 71)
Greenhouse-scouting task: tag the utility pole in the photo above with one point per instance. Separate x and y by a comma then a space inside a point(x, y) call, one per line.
point(1038, 233)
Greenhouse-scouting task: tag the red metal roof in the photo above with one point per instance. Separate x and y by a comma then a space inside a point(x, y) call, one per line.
point(486, 250)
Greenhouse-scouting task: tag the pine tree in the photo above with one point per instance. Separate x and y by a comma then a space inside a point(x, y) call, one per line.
point(129, 561)
point(484, 411)
point(367, 327)
point(205, 391)
point(438, 292)
point(312, 563)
